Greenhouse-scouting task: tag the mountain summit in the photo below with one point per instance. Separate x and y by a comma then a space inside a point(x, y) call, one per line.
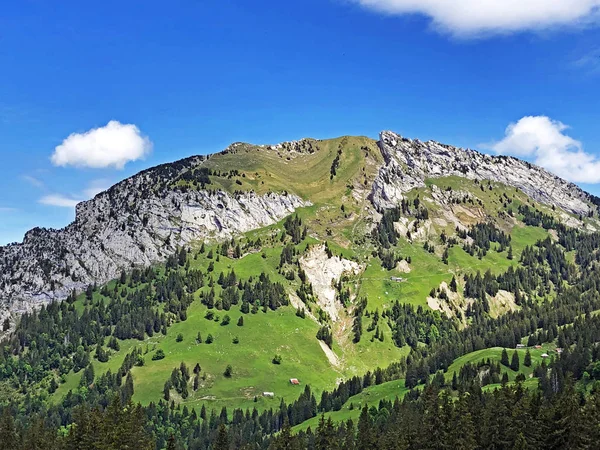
point(147, 217)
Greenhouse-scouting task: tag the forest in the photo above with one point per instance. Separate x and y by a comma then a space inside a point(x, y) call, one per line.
point(557, 297)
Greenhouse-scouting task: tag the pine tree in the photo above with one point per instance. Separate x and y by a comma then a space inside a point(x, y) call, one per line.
point(527, 361)
point(222, 440)
point(9, 439)
point(364, 438)
point(504, 358)
point(453, 284)
point(171, 444)
point(514, 362)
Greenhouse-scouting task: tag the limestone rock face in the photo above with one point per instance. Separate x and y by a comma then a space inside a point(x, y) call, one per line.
point(323, 272)
point(408, 163)
point(137, 222)
point(144, 219)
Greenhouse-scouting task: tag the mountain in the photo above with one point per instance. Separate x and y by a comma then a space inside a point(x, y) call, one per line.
point(273, 284)
point(145, 218)
point(408, 163)
point(136, 223)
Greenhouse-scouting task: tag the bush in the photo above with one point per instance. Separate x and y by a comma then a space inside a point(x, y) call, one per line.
point(209, 339)
point(236, 340)
point(228, 371)
point(226, 320)
point(160, 354)
point(277, 359)
point(179, 337)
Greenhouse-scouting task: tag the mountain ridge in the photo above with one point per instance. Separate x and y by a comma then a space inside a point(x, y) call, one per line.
point(432, 159)
point(146, 217)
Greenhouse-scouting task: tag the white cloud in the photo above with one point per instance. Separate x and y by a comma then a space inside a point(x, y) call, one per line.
point(95, 187)
point(33, 181)
point(59, 200)
point(113, 145)
point(543, 140)
point(475, 17)
point(70, 201)
point(590, 62)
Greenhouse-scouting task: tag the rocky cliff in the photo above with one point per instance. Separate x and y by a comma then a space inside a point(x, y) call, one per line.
point(145, 218)
point(137, 222)
point(408, 163)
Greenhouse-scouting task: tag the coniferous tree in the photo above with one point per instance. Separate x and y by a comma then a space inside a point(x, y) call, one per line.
point(514, 362)
point(365, 438)
point(527, 360)
point(504, 358)
point(9, 439)
point(222, 440)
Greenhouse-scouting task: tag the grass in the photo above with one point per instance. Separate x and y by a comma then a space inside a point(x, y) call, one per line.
point(263, 336)
point(370, 396)
point(494, 354)
point(113, 364)
point(281, 332)
point(305, 174)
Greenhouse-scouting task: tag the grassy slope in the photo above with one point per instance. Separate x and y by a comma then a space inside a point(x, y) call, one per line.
point(494, 354)
point(372, 395)
point(262, 336)
point(281, 332)
point(351, 409)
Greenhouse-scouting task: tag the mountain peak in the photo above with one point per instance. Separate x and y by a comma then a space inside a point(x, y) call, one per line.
point(410, 162)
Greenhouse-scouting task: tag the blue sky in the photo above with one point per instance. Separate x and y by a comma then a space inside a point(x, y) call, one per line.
point(183, 78)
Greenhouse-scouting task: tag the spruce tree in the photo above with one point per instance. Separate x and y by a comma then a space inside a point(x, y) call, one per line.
point(222, 440)
point(527, 361)
point(365, 438)
point(504, 358)
point(9, 439)
point(514, 362)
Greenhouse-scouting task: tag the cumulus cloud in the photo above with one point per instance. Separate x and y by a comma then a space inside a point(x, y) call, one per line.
point(472, 17)
point(59, 200)
point(544, 141)
point(113, 145)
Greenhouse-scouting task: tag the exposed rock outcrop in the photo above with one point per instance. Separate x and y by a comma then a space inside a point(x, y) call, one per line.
point(137, 222)
point(323, 271)
point(145, 218)
point(408, 163)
